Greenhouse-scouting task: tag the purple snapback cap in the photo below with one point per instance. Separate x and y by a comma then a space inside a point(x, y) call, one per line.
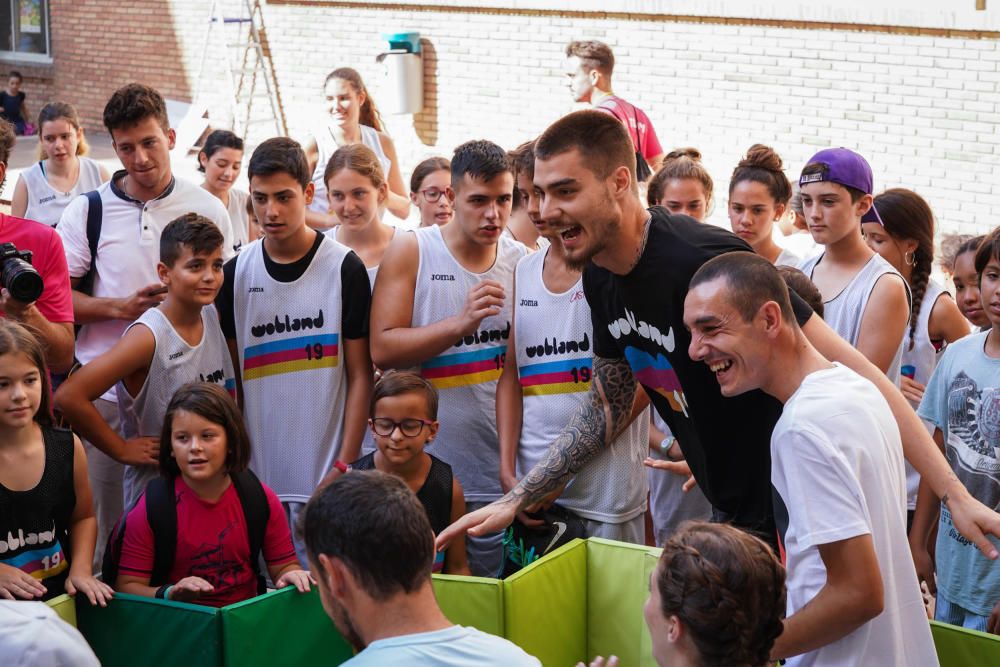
point(847, 168)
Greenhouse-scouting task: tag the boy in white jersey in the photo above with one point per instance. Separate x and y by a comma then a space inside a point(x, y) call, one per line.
point(546, 377)
point(177, 342)
point(864, 299)
point(294, 310)
point(837, 465)
point(441, 303)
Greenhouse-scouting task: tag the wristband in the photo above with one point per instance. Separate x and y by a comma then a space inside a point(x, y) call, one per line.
point(341, 466)
point(665, 446)
point(163, 592)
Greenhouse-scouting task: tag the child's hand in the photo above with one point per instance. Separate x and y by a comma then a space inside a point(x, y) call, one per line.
point(189, 589)
point(141, 451)
point(993, 622)
point(599, 661)
point(15, 583)
point(298, 578)
point(96, 591)
point(911, 389)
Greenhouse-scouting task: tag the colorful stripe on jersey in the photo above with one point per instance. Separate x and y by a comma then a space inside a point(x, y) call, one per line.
point(465, 368)
point(230, 387)
point(291, 355)
point(567, 376)
point(40, 563)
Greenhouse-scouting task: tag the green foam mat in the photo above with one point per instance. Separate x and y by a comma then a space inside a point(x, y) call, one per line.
point(471, 601)
point(65, 606)
point(960, 647)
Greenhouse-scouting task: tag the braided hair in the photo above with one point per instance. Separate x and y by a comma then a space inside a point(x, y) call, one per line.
point(906, 215)
point(728, 590)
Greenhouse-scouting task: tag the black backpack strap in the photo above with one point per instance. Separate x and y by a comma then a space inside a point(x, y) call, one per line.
point(161, 513)
point(257, 513)
point(95, 218)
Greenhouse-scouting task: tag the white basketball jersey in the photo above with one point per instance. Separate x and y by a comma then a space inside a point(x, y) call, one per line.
point(465, 374)
point(555, 352)
point(294, 385)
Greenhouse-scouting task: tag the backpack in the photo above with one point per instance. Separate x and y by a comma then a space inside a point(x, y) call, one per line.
point(95, 219)
point(161, 514)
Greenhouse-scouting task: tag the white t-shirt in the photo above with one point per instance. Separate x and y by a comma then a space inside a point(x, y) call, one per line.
point(239, 218)
point(456, 646)
point(129, 248)
point(837, 463)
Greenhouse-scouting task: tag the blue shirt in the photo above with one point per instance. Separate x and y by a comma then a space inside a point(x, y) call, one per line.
point(963, 400)
point(456, 646)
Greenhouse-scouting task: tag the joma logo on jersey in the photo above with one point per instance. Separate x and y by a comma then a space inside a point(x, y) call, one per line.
point(528, 302)
point(442, 276)
point(255, 289)
point(176, 355)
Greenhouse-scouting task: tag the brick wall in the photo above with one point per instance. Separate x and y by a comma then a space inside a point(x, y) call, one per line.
point(920, 104)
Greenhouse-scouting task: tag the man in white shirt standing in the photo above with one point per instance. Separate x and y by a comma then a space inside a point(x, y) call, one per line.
point(135, 206)
point(371, 549)
point(837, 465)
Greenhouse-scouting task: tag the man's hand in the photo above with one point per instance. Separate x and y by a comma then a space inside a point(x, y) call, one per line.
point(490, 519)
point(145, 298)
point(676, 467)
point(140, 451)
point(13, 308)
point(484, 299)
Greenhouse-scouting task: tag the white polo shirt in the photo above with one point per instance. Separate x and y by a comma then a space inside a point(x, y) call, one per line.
point(129, 248)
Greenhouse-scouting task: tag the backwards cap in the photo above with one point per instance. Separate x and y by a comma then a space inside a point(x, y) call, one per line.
point(847, 168)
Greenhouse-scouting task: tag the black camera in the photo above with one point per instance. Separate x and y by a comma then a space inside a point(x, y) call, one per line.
point(17, 275)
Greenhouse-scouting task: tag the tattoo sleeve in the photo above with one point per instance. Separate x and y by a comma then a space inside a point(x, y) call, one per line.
point(606, 411)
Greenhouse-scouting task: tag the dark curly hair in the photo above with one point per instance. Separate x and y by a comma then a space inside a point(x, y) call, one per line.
point(727, 588)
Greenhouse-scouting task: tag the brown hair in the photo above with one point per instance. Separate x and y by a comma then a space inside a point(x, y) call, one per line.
point(906, 215)
point(988, 249)
point(601, 139)
point(7, 140)
point(728, 590)
point(679, 164)
point(132, 104)
point(396, 383)
point(19, 338)
point(822, 168)
point(369, 112)
point(357, 158)
point(751, 281)
point(60, 111)
point(212, 402)
point(593, 54)
point(762, 165)
point(425, 169)
point(800, 283)
point(522, 159)
point(190, 230)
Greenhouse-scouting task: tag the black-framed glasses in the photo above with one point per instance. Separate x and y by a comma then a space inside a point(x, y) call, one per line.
point(434, 194)
point(409, 427)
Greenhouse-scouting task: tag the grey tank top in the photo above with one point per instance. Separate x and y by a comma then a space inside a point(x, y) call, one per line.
point(845, 311)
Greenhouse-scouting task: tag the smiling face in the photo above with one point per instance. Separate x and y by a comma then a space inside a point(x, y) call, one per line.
point(397, 448)
point(752, 212)
point(967, 294)
point(577, 205)
point(144, 151)
point(60, 140)
point(733, 349)
point(830, 213)
point(223, 168)
point(482, 208)
point(435, 186)
point(685, 196)
point(279, 202)
point(354, 199)
point(343, 102)
point(199, 447)
point(20, 390)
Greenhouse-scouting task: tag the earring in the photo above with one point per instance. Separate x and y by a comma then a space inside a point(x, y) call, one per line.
point(912, 259)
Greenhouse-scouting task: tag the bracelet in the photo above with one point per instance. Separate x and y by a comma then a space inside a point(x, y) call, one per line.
point(163, 592)
point(665, 446)
point(341, 466)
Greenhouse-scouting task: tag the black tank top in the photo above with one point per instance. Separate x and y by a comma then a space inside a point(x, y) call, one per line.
point(34, 524)
point(434, 495)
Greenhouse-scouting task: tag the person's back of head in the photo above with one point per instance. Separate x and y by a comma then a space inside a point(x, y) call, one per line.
point(7, 141)
point(192, 231)
point(725, 588)
point(800, 283)
point(374, 526)
point(601, 140)
point(280, 155)
point(132, 104)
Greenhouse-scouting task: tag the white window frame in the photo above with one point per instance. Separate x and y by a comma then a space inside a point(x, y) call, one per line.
point(24, 57)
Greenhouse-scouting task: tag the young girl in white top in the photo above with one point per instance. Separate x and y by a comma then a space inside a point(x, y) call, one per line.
point(221, 159)
point(354, 119)
point(357, 191)
point(758, 195)
point(61, 173)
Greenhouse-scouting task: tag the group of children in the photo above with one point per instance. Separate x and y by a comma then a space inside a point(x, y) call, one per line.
point(482, 311)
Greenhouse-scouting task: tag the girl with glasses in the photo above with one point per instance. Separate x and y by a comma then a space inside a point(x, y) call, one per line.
point(431, 193)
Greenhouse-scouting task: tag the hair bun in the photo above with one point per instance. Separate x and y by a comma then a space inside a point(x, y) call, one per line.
point(762, 157)
point(689, 152)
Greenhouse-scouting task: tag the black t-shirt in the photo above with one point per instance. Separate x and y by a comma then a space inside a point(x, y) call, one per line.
point(639, 317)
point(10, 106)
point(354, 284)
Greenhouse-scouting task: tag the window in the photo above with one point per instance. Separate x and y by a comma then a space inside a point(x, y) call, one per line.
point(24, 29)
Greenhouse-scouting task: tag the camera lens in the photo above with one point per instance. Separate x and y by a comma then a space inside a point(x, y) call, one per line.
point(21, 280)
